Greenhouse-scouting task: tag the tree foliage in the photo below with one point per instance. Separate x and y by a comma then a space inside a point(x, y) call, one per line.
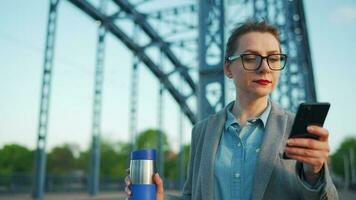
point(124, 158)
point(150, 139)
point(61, 160)
point(337, 159)
point(15, 158)
point(114, 157)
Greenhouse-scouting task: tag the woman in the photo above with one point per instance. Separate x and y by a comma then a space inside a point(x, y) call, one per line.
point(237, 152)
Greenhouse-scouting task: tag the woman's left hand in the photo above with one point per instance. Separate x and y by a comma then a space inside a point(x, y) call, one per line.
point(312, 153)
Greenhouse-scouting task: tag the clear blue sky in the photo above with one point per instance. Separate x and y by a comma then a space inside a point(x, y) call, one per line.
point(331, 25)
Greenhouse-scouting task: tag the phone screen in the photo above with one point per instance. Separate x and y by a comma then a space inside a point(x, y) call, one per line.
point(308, 114)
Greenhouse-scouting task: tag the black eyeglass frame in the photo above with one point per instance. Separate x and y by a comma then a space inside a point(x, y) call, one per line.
point(234, 57)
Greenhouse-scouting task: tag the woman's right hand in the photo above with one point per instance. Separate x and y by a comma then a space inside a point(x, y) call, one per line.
point(128, 183)
point(156, 179)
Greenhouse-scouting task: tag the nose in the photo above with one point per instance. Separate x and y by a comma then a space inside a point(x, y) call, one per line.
point(264, 66)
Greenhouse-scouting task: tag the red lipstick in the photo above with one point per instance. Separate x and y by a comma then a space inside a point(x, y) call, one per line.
point(262, 81)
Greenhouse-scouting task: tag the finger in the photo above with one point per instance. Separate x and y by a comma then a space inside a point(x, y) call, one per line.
point(308, 143)
point(323, 133)
point(127, 180)
point(157, 179)
point(127, 191)
point(307, 152)
point(314, 162)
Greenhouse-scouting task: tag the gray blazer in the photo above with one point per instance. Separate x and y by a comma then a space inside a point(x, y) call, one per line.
point(276, 178)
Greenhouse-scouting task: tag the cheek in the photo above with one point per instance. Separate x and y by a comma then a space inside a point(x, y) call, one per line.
point(239, 76)
point(242, 80)
point(275, 79)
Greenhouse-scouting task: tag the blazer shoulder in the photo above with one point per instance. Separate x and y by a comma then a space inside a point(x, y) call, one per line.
point(279, 110)
point(200, 127)
point(290, 115)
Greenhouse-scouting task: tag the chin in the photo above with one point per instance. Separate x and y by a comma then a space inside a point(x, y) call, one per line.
point(261, 93)
point(255, 92)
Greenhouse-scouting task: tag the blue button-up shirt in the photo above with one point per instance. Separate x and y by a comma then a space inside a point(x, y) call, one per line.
point(236, 156)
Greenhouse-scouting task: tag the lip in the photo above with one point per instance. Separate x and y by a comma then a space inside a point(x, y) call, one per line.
point(262, 81)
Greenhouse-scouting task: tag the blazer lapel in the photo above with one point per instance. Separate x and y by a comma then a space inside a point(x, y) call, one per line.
point(212, 137)
point(274, 134)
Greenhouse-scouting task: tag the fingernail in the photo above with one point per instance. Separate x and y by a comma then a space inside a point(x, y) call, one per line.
point(290, 141)
point(310, 128)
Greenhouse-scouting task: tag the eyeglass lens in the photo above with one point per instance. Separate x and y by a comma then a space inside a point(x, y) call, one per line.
point(252, 62)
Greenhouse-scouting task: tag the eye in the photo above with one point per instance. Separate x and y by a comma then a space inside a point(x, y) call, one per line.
point(250, 58)
point(274, 58)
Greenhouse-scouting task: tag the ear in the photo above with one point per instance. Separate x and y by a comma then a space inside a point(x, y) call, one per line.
point(227, 70)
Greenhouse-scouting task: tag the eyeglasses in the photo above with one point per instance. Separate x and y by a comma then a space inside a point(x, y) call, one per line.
point(252, 62)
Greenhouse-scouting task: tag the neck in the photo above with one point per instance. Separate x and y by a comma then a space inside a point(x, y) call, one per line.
point(247, 108)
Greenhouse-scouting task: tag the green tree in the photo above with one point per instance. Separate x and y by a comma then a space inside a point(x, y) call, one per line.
point(109, 158)
point(15, 158)
point(186, 149)
point(176, 168)
point(337, 159)
point(124, 150)
point(61, 160)
point(114, 158)
point(149, 139)
point(82, 162)
point(171, 165)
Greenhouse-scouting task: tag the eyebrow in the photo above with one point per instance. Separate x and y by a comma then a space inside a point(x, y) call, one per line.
point(256, 52)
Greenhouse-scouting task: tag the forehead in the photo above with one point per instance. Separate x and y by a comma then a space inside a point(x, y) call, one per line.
point(261, 42)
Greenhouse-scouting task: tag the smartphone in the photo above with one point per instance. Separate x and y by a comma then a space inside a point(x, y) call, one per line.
point(308, 114)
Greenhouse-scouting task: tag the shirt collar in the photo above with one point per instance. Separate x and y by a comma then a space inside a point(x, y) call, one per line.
point(265, 114)
point(230, 118)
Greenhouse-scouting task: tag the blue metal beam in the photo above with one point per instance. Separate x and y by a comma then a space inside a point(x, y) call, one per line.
point(40, 167)
point(140, 20)
point(94, 13)
point(296, 83)
point(94, 167)
point(211, 96)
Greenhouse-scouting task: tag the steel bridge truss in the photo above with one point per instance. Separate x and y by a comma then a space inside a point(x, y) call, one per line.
point(182, 44)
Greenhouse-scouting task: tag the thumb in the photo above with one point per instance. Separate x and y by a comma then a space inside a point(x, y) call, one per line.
point(159, 183)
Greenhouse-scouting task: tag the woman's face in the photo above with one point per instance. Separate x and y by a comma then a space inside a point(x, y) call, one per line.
point(261, 82)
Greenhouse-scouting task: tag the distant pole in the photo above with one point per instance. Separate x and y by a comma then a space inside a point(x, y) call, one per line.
point(352, 165)
point(346, 172)
point(134, 95)
point(181, 147)
point(94, 166)
point(160, 141)
point(96, 123)
point(94, 173)
point(211, 84)
point(134, 103)
point(160, 131)
point(40, 166)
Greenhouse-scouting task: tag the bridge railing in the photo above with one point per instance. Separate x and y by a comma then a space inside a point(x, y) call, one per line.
point(23, 183)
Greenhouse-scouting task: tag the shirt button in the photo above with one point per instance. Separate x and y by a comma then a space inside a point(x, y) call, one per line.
point(237, 175)
point(258, 150)
point(239, 144)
